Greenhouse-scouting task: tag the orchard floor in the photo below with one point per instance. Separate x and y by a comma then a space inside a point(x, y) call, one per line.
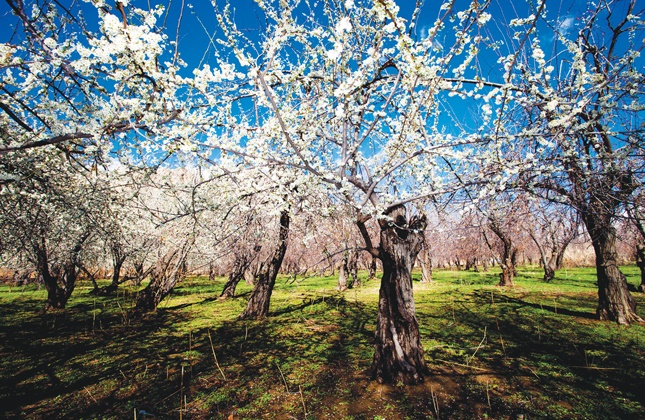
point(532, 351)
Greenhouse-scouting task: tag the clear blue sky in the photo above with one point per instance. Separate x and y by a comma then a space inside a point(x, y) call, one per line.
point(193, 38)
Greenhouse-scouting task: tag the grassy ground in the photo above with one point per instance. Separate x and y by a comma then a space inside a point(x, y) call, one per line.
point(533, 351)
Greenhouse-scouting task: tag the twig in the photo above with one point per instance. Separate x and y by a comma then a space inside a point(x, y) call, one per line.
point(462, 365)
point(214, 356)
point(181, 395)
point(283, 379)
point(478, 347)
point(304, 407)
point(501, 339)
point(435, 402)
point(593, 368)
point(90, 394)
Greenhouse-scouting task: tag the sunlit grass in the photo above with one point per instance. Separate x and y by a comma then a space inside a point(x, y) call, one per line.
point(533, 350)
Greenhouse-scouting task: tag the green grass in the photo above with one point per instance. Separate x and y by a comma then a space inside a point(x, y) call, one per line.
point(533, 350)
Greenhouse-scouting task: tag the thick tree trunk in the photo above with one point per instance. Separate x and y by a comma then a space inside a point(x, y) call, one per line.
point(117, 265)
point(59, 286)
point(471, 263)
point(506, 276)
point(514, 254)
point(233, 279)
point(615, 303)
point(116, 271)
point(549, 264)
point(549, 271)
point(398, 353)
point(258, 305)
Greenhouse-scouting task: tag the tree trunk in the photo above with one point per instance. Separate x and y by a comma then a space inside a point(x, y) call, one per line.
point(116, 271)
point(343, 274)
point(640, 261)
point(60, 284)
point(117, 264)
point(549, 269)
point(425, 260)
point(398, 353)
point(506, 276)
point(243, 261)
point(615, 303)
point(509, 255)
point(258, 305)
point(372, 270)
point(352, 268)
point(168, 271)
point(250, 275)
point(59, 281)
point(239, 268)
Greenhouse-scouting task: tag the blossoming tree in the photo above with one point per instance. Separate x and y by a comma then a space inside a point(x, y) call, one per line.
point(345, 94)
point(581, 132)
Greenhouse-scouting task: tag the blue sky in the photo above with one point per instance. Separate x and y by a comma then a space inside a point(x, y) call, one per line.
point(199, 17)
point(198, 22)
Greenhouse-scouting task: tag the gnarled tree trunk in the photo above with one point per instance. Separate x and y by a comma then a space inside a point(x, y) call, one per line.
point(118, 259)
point(258, 305)
point(615, 303)
point(509, 254)
point(398, 352)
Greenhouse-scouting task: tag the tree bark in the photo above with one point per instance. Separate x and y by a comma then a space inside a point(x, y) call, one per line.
point(343, 275)
point(549, 263)
point(425, 260)
point(258, 305)
point(352, 268)
point(398, 355)
point(549, 269)
point(615, 303)
point(59, 280)
point(118, 259)
point(372, 270)
point(640, 262)
point(164, 276)
point(242, 263)
point(509, 255)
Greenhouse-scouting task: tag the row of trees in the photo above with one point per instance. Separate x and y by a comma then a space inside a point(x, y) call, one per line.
point(336, 110)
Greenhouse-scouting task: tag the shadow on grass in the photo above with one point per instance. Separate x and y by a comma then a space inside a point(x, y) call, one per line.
point(497, 357)
point(485, 297)
point(513, 357)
